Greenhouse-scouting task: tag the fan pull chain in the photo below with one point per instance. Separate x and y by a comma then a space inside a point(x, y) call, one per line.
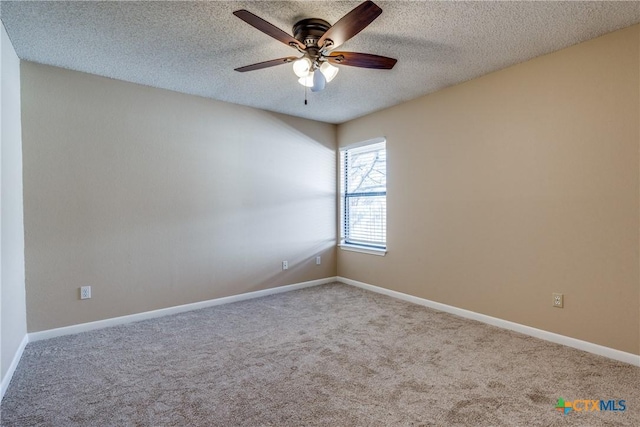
point(305, 95)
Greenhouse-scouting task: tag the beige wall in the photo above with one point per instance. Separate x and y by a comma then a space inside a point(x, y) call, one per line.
point(515, 185)
point(13, 326)
point(157, 199)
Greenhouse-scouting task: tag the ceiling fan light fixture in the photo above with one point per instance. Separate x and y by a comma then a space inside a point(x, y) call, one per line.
point(306, 80)
point(329, 71)
point(302, 67)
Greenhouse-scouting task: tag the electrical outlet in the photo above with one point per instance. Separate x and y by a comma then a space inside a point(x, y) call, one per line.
point(558, 300)
point(85, 292)
point(318, 260)
point(285, 265)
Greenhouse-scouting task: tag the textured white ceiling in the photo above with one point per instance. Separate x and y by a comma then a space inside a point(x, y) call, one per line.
point(193, 47)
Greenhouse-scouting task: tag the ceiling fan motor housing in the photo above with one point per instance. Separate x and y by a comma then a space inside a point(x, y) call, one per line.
point(309, 31)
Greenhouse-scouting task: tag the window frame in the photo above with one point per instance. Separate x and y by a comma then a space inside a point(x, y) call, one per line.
point(343, 244)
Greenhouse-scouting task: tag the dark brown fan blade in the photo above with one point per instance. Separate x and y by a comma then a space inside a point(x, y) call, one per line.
point(267, 28)
point(363, 60)
point(351, 24)
point(266, 64)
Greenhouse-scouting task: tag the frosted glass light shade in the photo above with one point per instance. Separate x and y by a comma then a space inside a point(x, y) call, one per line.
point(306, 80)
point(301, 67)
point(319, 81)
point(329, 71)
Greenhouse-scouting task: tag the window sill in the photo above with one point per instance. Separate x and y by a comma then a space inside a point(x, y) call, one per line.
point(364, 250)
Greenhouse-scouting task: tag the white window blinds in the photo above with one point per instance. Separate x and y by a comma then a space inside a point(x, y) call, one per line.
point(364, 195)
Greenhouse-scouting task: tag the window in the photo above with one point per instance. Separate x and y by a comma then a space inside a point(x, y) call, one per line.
point(364, 196)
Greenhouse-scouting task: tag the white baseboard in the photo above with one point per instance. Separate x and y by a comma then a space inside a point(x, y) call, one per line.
point(99, 324)
point(600, 350)
point(12, 368)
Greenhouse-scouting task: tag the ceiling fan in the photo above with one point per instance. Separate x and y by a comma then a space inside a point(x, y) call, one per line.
point(315, 39)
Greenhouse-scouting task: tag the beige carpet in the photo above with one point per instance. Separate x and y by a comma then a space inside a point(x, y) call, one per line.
point(330, 355)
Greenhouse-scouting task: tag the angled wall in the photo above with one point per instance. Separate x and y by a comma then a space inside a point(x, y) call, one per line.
point(13, 326)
